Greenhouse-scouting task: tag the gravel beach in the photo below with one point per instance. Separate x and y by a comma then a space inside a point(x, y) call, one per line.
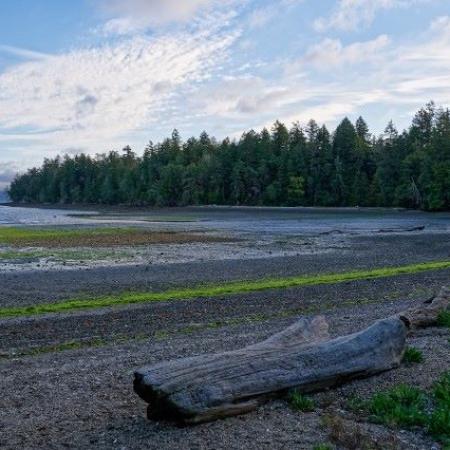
point(66, 379)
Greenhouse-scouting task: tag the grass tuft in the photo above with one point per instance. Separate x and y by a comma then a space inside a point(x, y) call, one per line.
point(300, 402)
point(412, 355)
point(402, 406)
point(439, 426)
point(441, 390)
point(322, 447)
point(356, 404)
point(439, 423)
point(219, 290)
point(444, 319)
point(406, 406)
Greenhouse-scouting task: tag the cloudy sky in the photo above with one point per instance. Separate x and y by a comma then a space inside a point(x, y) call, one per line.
point(95, 75)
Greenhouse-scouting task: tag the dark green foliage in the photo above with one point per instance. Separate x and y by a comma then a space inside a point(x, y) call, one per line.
point(439, 423)
point(300, 402)
point(412, 355)
point(441, 390)
point(407, 406)
point(402, 406)
point(322, 447)
point(296, 167)
point(444, 319)
point(356, 404)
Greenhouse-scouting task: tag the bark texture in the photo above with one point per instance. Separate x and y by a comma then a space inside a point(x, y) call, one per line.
point(427, 314)
point(209, 387)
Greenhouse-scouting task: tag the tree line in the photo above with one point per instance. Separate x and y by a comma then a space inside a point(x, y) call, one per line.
point(300, 166)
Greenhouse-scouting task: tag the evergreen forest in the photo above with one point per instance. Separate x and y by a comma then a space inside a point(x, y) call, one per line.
point(296, 166)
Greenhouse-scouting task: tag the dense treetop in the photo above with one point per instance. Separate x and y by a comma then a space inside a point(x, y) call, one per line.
point(298, 166)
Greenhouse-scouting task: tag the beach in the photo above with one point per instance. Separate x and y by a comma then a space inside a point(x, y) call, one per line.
point(66, 376)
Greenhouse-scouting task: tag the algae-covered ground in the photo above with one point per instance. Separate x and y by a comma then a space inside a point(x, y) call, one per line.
point(71, 335)
point(93, 237)
point(32, 247)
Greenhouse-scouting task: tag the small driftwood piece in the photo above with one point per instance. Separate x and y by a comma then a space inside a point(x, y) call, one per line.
point(427, 314)
point(209, 387)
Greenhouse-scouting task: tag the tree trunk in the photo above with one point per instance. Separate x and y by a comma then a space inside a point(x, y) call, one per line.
point(208, 387)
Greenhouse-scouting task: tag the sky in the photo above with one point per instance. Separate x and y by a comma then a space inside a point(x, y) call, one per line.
point(95, 75)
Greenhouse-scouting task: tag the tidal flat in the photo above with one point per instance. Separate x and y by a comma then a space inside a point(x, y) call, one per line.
point(66, 373)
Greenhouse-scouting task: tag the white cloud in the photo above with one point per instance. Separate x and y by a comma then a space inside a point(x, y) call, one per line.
point(241, 96)
point(331, 53)
point(139, 87)
point(130, 16)
point(351, 14)
point(89, 97)
point(436, 49)
point(22, 52)
point(260, 17)
point(441, 23)
point(383, 74)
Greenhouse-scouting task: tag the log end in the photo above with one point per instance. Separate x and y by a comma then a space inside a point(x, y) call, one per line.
point(427, 314)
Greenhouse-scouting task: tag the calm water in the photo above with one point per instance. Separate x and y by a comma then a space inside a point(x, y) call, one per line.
point(283, 221)
point(35, 216)
point(289, 221)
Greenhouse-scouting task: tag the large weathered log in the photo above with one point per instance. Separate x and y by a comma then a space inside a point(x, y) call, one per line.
point(208, 387)
point(212, 386)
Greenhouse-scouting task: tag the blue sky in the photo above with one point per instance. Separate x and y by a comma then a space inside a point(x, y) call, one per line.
point(95, 75)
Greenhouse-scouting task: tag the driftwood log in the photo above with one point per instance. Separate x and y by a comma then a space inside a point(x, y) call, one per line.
point(208, 387)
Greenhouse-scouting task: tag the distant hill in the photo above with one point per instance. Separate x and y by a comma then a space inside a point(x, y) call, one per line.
point(4, 197)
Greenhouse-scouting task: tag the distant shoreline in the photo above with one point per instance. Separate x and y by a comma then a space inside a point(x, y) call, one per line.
point(96, 206)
